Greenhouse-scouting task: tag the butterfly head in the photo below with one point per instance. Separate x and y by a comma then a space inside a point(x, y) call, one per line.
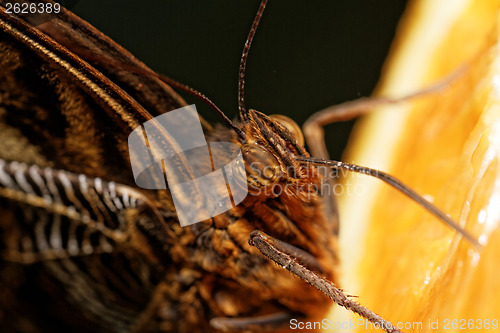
point(271, 143)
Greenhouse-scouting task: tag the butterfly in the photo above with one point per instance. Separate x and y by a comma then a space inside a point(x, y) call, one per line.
point(92, 250)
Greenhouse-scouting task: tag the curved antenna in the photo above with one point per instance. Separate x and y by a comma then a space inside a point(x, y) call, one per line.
point(203, 98)
point(397, 184)
point(243, 62)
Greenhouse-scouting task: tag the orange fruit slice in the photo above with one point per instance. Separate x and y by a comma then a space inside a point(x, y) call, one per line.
point(401, 261)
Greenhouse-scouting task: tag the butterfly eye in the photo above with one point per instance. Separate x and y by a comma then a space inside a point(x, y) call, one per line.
point(291, 126)
point(262, 167)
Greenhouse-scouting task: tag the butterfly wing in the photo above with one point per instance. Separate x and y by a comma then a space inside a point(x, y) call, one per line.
point(84, 238)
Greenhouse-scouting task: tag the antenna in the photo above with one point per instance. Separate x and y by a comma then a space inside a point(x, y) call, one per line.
point(243, 62)
point(397, 184)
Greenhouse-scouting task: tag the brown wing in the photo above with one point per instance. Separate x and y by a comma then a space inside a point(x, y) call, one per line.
point(90, 266)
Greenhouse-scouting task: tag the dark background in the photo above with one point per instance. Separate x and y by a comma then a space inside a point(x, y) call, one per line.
point(305, 57)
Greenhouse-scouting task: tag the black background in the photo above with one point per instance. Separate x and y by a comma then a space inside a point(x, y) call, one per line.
point(305, 56)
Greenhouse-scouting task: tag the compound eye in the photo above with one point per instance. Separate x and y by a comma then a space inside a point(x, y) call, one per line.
point(262, 168)
point(291, 126)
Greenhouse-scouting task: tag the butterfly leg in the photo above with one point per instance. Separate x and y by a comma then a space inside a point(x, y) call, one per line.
point(314, 132)
point(274, 250)
point(313, 127)
point(315, 136)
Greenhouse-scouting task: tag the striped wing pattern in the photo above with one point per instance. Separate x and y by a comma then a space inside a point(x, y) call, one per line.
point(71, 224)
